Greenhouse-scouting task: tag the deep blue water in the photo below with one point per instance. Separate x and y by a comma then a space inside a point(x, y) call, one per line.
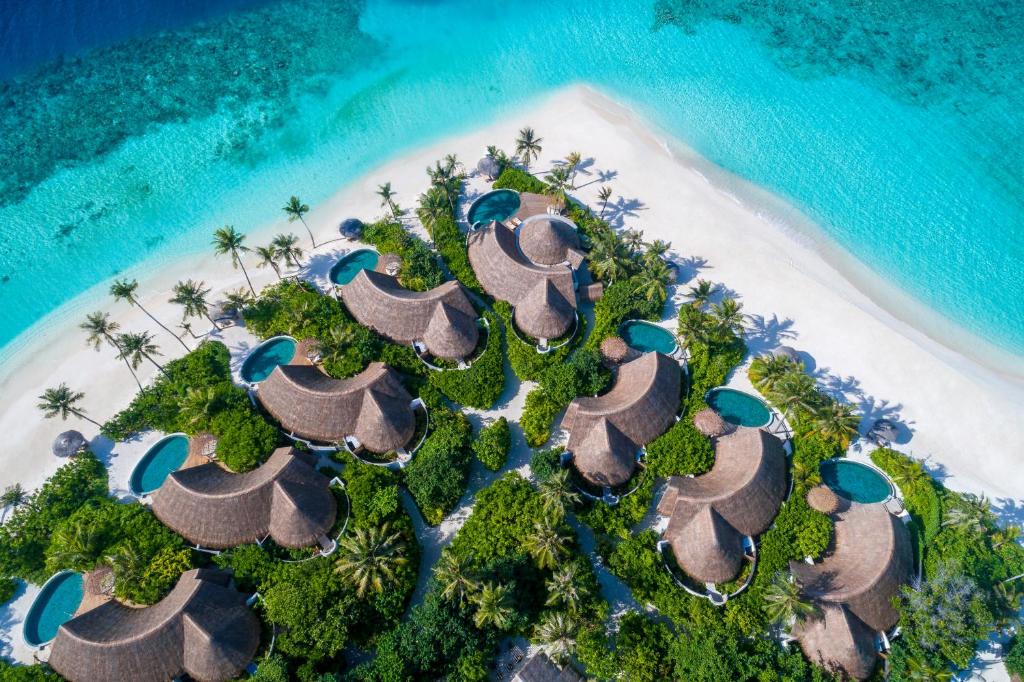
point(896, 126)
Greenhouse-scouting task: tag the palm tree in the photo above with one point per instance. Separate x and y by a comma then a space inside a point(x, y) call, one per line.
point(784, 603)
point(766, 373)
point(633, 239)
point(100, 329)
point(386, 195)
point(125, 290)
point(191, 296)
point(296, 210)
point(199, 405)
point(607, 258)
point(268, 257)
point(563, 588)
point(446, 179)
point(920, 669)
point(693, 327)
point(13, 497)
point(334, 348)
point(453, 576)
point(528, 146)
point(970, 517)
point(656, 251)
point(227, 240)
point(701, 293)
point(236, 301)
point(1006, 535)
point(61, 402)
point(127, 561)
point(558, 184)
point(604, 194)
point(75, 545)
point(796, 393)
point(573, 161)
point(557, 634)
point(545, 544)
point(139, 346)
point(728, 316)
point(653, 282)
point(433, 207)
point(837, 422)
point(492, 608)
point(556, 495)
point(369, 558)
point(287, 247)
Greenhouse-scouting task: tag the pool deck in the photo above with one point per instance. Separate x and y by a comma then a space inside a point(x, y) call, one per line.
point(97, 589)
point(531, 204)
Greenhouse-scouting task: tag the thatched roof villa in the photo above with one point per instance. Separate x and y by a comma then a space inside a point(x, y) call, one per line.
point(285, 499)
point(710, 515)
point(202, 629)
point(531, 268)
point(606, 431)
point(372, 408)
point(442, 319)
point(540, 668)
point(855, 584)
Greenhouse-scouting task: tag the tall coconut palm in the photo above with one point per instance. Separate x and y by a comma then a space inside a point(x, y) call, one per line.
point(920, 669)
point(13, 497)
point(784, 603)
point(267, 257)
point(656, 251)
point(454, 578)
point(199, 405)
point(633, 239)
point(607, 259)
point(766, 373)
point(287, 247)
point(75, 545)
point(557, 495)
point(62, 402)
point(604, 194)
point(701, 293)
point(137, 346)
point(191, 296)
point(236, 301)
point(387, 195)
point(369, 558)
point(563, 588)
point(728, 317)
point(128, 561)
point(970, 517)
point(653, 281)
point(528, 146)
point(125, 290)
point(296, 210)
point(334, 348)
point(557, 635)
point(492, 608)
point(558, 184)
point(795, 394)
point(101, 329)
point(229, 241)
point(572, 162)
point(835, 421)
point(546, 544)
point(446, 178)
point(433, 208)
point(694, 327)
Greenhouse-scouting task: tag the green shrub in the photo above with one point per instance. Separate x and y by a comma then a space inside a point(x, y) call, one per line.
point(919, 491)
point(503, 515)
point(244, 439)
point(451, 244)
point(483, 382)
point(539, 412)
point(620, 302)
point(8, 587)
point(680, 451)
point(436, 477)
point(519, 180)
point(1015, 657)
point(14, 672)
point(420, 269)
point(492, 444)
point(619, 519)
point(544, 463)
point(583, 374)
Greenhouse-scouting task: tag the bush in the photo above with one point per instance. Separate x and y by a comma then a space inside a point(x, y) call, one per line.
point(519, 180)
point(492, 444)
point(583, 374)
point(680, 451)
point(620, 302)
point(244, 439)
point(502, 517)
point(451, 244)
point(8, 588)
point(544, 463)
point(436, 477)
point(372, 492)
point(483, 382)
point(420, 269)
point(1015, 658)
point(919, 491)
point(620, 518)
point(13, 672)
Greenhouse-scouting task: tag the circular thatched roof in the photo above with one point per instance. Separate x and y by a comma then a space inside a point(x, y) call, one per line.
point(69, 443)
point(546, 240)
point(823, 499)
point(351, 228)
point(710, 423)
point(885, 430)
point(614, 349)
point(389, 264)
point(488, 166)
point(787, 352)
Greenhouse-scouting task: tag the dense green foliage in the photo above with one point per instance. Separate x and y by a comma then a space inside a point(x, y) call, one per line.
point(420, 268)
point(492, 444)
point(583, 374)
point(481, 384)
point(450, 242)
point(619, 303)
point(8, 588)
point(920, 494)
point(519, 180)
point(523, 357)
point(10, 672)
point(436, 477)
point(1015, 657)
point(544, 463)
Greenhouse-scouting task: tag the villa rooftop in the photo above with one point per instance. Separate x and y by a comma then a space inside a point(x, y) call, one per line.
point(285, 499)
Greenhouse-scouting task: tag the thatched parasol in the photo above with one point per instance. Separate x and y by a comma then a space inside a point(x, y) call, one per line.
point(489, 167)
point(351, 228)
point(389, 264)
point(823, 499)
point(614, 349)
point(884, 430)
point(710, 423)
point(69, 443)
point(787, 352)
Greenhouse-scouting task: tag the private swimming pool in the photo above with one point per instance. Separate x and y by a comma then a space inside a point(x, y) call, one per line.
point(500, 205)
point(855, 481)
point(345, 270)
point(265, 357)
point(737, 407)
point(166, 455)
point(645, 337)
point(55, 605)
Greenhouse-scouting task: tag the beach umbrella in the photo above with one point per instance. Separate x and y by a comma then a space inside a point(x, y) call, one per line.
point(787, 352)
point(710, 423)
point(488, 166)
point(823, 499)
point(614, 349)
point(884, 430)
point(351, 228)
point(69, 443)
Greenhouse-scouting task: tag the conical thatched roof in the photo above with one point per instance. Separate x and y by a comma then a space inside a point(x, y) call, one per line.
point(351, 228)
point(710, 423)
point(202, 629)
point(488, 167)
point(540, 668)
point(822, 498)
point(547, 239)
point(640, 405)
point(285, 498)
point(544, 313)
point(69, 443)
point(312, 405)
point(442, 318)
point(837, 640)
point(744, 488)
point(614, 349)
point(871, 559)
point(605, 457)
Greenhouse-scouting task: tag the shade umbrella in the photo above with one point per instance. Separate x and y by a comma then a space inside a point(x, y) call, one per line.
point(710, 423)
point(489, 167)
point(69, 443)
point(614, 349)
point(351, 228)
point(823, 499)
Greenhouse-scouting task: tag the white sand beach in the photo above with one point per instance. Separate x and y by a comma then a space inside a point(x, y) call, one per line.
point(964, 417)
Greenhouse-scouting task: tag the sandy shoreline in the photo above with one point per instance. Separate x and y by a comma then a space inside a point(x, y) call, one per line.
point(965, 418)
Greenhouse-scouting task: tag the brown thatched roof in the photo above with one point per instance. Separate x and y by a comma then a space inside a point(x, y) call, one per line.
point(531, 204)
point(373, 406)
point(822, 498)
point(540, 668)
point(69, 443)
point(285, 498)
point(614, 349)
point(641, 404)
point(870, 560)
point(544, 313)
point(744, 490)
point(838, 641)
point(389, 264)
point(442, 318)
point(710, 423)
point(591, 293)
point(202, 629)
point(548, 240)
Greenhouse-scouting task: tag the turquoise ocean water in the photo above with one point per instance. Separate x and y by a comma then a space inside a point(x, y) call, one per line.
point(895, 126)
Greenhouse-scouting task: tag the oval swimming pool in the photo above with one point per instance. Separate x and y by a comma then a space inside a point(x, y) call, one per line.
point(645, 337)
point(345, 270)
point(55, 605)
point(165, 456)
point(500, 205)
point(265, 357)
point(737, 407)
point(855, 481)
